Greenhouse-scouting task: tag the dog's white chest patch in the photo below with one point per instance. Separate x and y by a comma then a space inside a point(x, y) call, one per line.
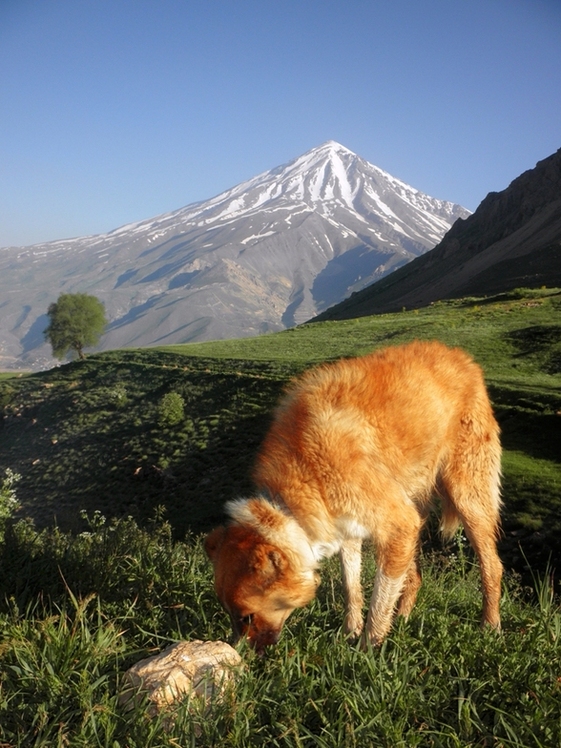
point(346, 527)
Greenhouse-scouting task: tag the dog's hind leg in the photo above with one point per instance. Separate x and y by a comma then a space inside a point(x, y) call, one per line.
point(410, 589)
point(471, 479)
point(481, 530)
point(350, 557)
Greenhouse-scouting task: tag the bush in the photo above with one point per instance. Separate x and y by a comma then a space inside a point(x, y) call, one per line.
point(172, 409)
point(8, 502)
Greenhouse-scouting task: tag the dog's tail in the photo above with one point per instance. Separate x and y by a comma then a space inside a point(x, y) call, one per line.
point(449, 520)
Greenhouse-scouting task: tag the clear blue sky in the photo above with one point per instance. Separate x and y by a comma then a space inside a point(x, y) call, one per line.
point(113, 111)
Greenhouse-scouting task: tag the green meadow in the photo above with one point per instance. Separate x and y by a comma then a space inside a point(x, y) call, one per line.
point(126, 458)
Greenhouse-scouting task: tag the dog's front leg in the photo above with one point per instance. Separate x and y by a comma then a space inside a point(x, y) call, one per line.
point(385, 595)
point(350, 556)
point(395, 556)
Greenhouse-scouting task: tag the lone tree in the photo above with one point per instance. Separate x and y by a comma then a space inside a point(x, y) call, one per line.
point(77, 321)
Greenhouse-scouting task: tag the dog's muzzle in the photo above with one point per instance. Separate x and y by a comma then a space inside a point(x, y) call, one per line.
point(258, 639)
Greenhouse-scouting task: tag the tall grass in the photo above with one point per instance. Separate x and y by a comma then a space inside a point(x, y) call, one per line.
point(77, 611)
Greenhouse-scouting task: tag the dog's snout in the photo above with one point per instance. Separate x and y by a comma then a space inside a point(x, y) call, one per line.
point(259, 638)
point(262, 639)
point(274, 637)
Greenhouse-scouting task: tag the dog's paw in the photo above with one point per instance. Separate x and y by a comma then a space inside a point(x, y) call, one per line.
point(368, 644)
point(491, 625)
point(353, 628)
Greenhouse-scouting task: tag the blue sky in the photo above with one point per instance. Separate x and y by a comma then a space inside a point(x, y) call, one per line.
point(113, 111)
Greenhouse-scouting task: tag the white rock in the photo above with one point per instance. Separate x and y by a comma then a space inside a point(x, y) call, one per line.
point(186, 668)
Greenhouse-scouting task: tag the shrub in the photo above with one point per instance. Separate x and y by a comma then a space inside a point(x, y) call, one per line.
point(8, 502)
point(172, 409)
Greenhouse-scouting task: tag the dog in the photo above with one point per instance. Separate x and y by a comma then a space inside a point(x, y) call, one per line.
point(358, 449)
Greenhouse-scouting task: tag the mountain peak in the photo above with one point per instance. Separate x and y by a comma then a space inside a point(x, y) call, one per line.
point(316, 157)
point(333, 145)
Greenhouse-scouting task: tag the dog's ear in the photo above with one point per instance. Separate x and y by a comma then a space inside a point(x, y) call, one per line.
point(277, 559)
point(268, 564)
point(213, 540)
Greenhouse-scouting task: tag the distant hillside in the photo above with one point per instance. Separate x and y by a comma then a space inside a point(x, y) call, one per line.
point(512, 240)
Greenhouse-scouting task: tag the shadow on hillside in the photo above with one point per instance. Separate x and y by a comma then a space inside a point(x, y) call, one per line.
point(543, 341)
point(89, 437)
point(194, 489)
point(536, 434)
point(536, 338)
point(34, 337)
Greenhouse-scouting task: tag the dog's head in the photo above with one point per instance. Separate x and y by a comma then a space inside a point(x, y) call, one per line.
point(258, 583)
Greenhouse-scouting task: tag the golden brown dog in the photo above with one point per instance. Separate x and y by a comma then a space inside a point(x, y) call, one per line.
point(357, 449)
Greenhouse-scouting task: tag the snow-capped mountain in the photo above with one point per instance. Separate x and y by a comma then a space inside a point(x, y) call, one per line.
point(267, 254)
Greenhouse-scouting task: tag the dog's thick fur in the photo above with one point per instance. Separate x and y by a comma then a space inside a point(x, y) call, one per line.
point(358, 449)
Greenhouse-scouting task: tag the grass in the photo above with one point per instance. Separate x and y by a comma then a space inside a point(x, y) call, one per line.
point(523, 324)
point(126, 457)
point(91, 605)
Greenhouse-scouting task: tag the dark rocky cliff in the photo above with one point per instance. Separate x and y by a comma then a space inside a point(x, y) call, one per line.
point(513, 239)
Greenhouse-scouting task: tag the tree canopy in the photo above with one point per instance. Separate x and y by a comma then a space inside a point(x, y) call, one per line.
point(77, 321)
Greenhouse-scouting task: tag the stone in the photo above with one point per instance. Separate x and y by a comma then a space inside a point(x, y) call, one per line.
point(189, 668)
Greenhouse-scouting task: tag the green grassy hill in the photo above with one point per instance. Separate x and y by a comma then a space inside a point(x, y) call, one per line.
point(87, 591)
point(93, 435)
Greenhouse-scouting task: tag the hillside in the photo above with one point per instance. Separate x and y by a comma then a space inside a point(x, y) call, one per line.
point(265, 255)
point(512, 240)
point(95, 435)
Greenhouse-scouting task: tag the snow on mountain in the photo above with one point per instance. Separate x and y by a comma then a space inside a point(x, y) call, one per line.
point(267, 254)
